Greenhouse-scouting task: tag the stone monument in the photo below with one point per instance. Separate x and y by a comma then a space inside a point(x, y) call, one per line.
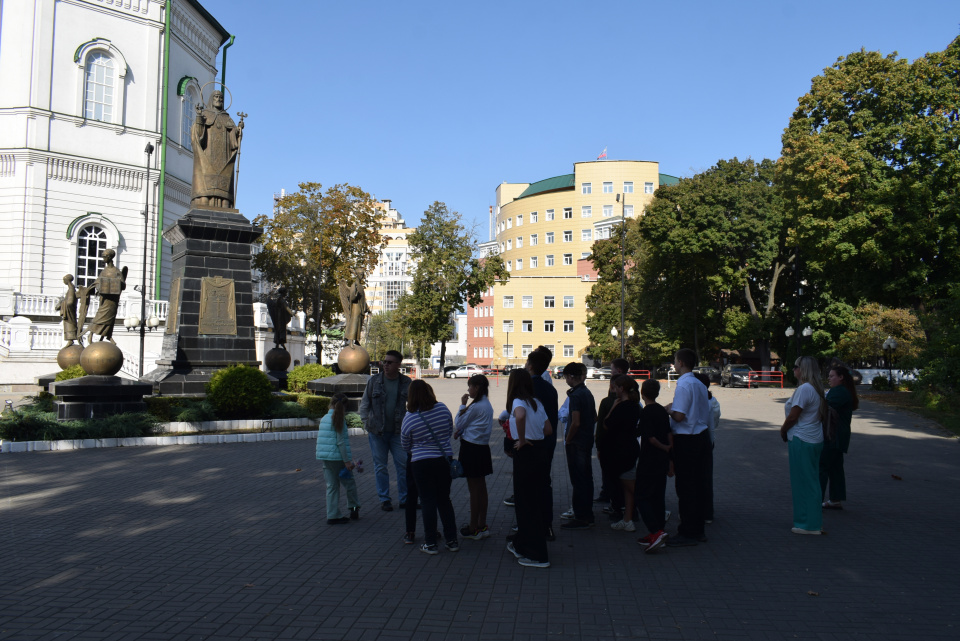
point(278, 359)
point(69, 355)
point(210, 320)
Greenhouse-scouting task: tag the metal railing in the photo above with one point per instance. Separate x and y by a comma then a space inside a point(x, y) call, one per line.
point(760, 376)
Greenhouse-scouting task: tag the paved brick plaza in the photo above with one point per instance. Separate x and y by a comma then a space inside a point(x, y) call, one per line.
point(230, 542)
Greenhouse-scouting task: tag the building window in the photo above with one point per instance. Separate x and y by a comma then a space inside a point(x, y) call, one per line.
point(548, 326)
point(584, 255)
point(628, 211)
point(526, 326)
point(549, 237)
point(519, 264)
point(549, 260)
point(527, 302)
point(533, 262)
point(568, 259)
point(91, 242)
point(607, 188)
point(509, 244)
point(509, 223)
point(628, 187)
point(586, 188)
point(586, 211)
point(99, 88)
point(607, 211)
point(533, 216)
point(509, 265)
point(476, 332)
point(501, 248)
point(568, 351)
point(568, 326)
point(549, 301)
point(508, 351)
point(508, 325)
point(568, 236)
point(519, 220)
point(508, 302)
point(519, 242)
point(648, 188)
point(586, 234)
point(568, 301)
point(549, 214)
point(533, 239)
point(525, 350)
point(392, 291)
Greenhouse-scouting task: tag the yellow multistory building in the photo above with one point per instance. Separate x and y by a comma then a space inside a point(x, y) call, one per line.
point(544, 233)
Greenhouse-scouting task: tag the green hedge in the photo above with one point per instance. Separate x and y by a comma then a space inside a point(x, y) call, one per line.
point(71, 372)
point(240, 392)
point(298, 378)
point(316, 405)
point(43, 426)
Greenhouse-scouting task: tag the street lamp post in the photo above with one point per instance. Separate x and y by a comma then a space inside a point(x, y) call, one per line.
point(622, 199)
point(143, 287)
point(889, 346)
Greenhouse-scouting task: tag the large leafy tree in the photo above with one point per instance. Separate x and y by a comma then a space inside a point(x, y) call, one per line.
point(447, 275)
point(870, 171)
point(716, 257)
point(315, 239)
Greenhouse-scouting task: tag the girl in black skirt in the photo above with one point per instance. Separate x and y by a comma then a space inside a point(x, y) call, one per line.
point(474, 423)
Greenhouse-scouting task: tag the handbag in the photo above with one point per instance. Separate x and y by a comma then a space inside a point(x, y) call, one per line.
point(456, 468)
point(830, 423)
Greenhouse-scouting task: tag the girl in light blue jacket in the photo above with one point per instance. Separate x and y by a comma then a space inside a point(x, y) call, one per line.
point(333, 448)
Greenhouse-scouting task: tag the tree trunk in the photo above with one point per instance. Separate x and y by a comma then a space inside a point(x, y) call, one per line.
point(443, 354)
point(316, 326)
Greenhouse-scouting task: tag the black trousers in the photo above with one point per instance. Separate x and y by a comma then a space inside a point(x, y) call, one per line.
point(650, 498)
point(529, 479)
point(547, 452)
point(432, 476)
point(691, 465)
point(413, 497)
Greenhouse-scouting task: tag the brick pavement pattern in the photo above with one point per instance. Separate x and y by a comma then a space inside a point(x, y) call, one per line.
point(230, 542)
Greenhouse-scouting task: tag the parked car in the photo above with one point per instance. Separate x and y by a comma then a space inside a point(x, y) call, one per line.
point(558, 371)
point(464, 371)
point(735, 375)
point(712, 372)
point(599, 373)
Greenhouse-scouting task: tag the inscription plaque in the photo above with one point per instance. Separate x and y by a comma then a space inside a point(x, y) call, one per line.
point(173, 308)
point(218, 309)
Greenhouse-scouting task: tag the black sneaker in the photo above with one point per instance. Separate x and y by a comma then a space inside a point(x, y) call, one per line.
point(453, 546)
point(576, 524)
point(339, 521)
point(408, 538)
point(509, 501)
point(429, 548)
point(386, 506)
point(354, 513)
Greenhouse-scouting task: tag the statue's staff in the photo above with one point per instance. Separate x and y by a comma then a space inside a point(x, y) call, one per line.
point(236, 184)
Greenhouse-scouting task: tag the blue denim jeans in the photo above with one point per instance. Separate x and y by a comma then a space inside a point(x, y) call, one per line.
point(580, 467)
point(380, 447)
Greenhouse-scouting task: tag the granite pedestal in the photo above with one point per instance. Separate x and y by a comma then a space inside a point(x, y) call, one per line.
point(352, 385)
point(98, 396)
point(210, 322)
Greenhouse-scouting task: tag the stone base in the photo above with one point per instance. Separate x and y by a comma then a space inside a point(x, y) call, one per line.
point(45, 381)
point(352, 385)
point(98, 396)
point(166, 381)
point(281, 379)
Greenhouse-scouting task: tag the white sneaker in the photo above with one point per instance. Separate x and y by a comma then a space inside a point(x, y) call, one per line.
point(626, 526)
point(569, 514)
point(530, 563)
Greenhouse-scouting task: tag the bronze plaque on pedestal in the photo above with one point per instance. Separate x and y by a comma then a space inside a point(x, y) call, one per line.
point(218, 309)
point(173, 307)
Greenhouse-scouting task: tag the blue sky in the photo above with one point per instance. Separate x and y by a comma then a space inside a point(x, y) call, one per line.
point(424, 101)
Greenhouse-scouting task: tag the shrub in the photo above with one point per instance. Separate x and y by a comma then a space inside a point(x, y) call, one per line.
point(71, 372)
point(239, 392)
point(288, 409)
point(880, 383)
point(167, 408)
point(316, 405)
point(42, 402)
point(298, 378)
point(43, 426)
point(196, 412)
point(353, 420)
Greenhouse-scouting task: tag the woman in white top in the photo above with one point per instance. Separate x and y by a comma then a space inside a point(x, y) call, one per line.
point(528, 426)
point(804, 432)
point(474, 423)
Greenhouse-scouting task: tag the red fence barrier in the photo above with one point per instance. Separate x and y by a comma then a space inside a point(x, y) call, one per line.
point(761, 376)
point(639, 373)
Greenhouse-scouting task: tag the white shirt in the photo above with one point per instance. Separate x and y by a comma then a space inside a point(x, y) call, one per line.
point(534, 422)
point(808, 428)
point(691, 400)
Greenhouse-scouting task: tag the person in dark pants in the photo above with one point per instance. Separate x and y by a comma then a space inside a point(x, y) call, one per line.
point(578, 443)
point(653, 466)
point(410, 509)
point(425, 434)
point(610, 489)
point(689, 413)
point(546, 394)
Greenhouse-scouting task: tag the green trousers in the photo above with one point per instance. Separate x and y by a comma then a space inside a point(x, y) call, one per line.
point(805, 484)
point(331, 473)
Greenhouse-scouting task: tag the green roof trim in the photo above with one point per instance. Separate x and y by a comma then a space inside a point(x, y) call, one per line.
point(182, 85)
point(557, 183)
point(667, 180)
point(76, 54)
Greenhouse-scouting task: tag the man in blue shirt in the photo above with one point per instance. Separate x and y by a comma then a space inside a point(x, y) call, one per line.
point(382, 408)
point(578, 442)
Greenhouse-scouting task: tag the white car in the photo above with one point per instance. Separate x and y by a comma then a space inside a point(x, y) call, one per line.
point(464, 372)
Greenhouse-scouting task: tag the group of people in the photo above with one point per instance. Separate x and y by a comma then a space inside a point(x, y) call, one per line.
point(639, 442)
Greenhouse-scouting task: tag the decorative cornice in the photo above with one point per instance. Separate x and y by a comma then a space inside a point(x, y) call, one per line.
point(97, 174)
point(193, 32)
point(133, 6)
point(8, 165)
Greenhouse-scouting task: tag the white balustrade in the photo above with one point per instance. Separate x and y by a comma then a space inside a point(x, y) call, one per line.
point(6, 336)
point(36, 305)
point(46, 337)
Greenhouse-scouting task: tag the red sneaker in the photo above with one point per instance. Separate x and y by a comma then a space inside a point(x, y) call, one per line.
point(656, 541)
point(645, 540)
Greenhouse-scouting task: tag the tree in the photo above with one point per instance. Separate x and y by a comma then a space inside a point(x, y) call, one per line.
point(869, 172)
point(603, 302)
point(716, 254)
point(317, 236)
point(447, 276)
point(863, 341)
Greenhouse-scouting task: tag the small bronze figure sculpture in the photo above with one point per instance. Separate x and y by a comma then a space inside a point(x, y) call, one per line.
point(355, 308)
point(109, 285)
point(280, 314)
point(216, 141)
point(67, 306)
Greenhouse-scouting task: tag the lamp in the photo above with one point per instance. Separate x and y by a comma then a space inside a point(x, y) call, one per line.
point(807, 332)
point(614, 332)
point(889, 346)
point(789, 332)
point(146, 230)
point(630, 332)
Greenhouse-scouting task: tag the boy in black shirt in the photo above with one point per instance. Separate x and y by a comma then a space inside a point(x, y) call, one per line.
point(656, 441)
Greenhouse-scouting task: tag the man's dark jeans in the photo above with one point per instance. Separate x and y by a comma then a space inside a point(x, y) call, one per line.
point(581, 478)
point(691, 463)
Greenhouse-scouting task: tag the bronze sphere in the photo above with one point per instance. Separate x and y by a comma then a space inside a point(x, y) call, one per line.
point(101, 359)
point(277, 360)
point(69, 356)
point(353, 359)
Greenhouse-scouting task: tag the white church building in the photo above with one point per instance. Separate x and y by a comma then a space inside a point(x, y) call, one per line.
point(85, 86)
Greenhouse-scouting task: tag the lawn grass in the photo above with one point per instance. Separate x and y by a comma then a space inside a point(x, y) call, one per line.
point(947, 418)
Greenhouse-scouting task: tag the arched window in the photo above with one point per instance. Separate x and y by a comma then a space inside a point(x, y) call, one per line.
point(91, 241)
point(99, 84)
